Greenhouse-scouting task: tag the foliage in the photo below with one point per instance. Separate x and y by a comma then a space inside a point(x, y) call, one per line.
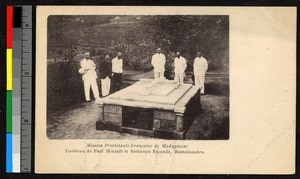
point(139, 36)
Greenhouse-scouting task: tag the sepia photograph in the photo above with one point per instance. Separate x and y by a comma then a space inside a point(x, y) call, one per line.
point(138, 76)
point(165, 90)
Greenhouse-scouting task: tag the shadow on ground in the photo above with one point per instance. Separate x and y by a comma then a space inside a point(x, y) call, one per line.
point(212, 122)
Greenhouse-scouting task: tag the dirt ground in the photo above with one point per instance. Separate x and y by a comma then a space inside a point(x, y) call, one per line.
point(79, 122)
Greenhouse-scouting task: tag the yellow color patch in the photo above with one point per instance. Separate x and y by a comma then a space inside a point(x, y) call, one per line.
point(9, 69)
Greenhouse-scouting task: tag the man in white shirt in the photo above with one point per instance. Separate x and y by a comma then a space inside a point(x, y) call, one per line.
point(89, 77)
point(200, 68)
point(180, 66)
point(117, 71)
point(158, 62)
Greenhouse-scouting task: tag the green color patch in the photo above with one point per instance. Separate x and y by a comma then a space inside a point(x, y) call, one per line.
point(8, 111)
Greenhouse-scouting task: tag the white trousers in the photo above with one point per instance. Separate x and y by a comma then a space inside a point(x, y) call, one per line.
point(88, 83)
point(199, 80)
point(105, 86)
point(158, 75)
point(179, 77)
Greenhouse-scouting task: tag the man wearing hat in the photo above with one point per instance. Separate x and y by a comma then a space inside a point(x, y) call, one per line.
point(105, 75)
point(200, 68)
point(180, 66)
point(89, 77)
point(158, 61)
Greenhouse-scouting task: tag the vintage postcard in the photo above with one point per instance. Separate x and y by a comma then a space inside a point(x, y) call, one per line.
point(165, 90)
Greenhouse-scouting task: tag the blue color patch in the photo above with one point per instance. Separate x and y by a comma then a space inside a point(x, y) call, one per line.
point(9, 166)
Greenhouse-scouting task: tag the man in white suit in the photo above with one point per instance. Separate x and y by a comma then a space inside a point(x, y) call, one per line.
point(200, 68)
point(158, 62)
point(89, 77)
point(180, 66)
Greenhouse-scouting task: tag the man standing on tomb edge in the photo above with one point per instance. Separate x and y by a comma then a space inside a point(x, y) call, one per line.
point(117, 70)
point(158, 62)
point(89, 77)
point(180, 66)
point(200, 68)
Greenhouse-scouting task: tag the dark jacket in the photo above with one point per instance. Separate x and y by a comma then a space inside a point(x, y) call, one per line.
point(105, 69)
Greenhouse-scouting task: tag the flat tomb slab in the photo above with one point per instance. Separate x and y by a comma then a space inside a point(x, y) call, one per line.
point(160, 92)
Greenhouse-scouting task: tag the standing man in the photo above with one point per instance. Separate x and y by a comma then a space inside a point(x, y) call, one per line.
point(117, 70)
point(200, 68)
point(105, 75)
point(180, 66)
point(89, 77)
point(158, 62)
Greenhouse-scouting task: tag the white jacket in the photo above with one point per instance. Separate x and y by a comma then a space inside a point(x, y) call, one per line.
point(200, 66)
point(180, 65)
point(89, 69)
point(158, 62)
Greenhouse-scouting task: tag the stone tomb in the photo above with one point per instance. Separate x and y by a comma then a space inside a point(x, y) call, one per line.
point(155, 108)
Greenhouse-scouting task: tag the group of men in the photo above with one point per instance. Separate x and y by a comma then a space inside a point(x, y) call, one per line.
point(200, 66)
point(112, 70)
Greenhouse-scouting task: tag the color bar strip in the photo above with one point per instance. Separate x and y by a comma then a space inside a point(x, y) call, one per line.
point(9, 25)
point(16, 92)
point(9, 29)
